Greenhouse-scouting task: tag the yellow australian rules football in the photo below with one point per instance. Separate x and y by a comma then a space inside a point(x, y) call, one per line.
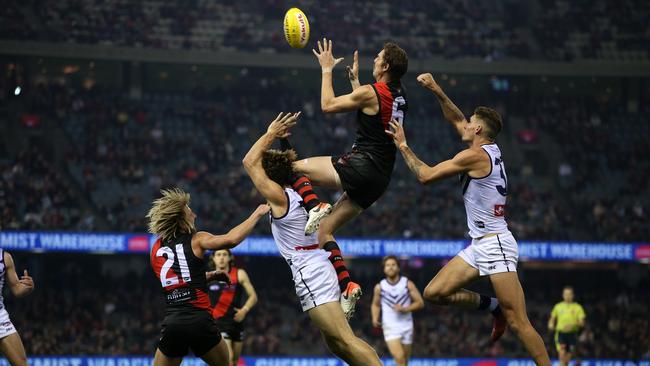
point(296, 28)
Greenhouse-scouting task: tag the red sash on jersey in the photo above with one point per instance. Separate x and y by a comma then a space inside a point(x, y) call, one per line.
point(227, 295)
point(385, 103)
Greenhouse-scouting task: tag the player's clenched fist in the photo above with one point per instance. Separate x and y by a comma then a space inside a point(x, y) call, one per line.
point(427, 81)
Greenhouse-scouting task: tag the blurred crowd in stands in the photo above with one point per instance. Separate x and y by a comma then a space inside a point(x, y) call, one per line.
point(490, 30)
point(576, 165)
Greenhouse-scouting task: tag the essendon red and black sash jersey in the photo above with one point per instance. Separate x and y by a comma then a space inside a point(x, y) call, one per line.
point(371, 137)
point(225, 298)
point(181, 275)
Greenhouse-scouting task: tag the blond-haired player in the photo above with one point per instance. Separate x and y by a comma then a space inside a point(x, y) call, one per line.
point(177, 261)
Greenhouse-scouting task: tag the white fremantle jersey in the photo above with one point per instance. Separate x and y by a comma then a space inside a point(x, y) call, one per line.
point(485, 197)
point(392, 295)
point(288, 232)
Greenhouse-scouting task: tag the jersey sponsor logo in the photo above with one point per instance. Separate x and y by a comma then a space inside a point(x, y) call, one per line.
point(499, 210)
point(480, 224)
point(179, 295)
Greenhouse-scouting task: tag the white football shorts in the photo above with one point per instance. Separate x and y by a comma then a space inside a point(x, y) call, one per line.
point(493, 254)
point(403, 332)
point(316, 283)
point(6, 327)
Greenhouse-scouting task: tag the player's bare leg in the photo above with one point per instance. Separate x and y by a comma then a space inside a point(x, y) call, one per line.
point(340, 339)
point(344, 211)
point(408, 350)
point(397, 351)
point(564, 356)
point(446, 289)
point(159, 359)
point(12, 348)
point(236, 352)
point(319, 170)
point(513, 305)
point(219, 355)
point(231, 350)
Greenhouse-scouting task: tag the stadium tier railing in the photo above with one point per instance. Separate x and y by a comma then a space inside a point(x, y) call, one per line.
point(306, 60)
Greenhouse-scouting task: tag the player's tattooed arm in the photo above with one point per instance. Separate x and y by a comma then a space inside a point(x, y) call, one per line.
point(467, 161)
point(413, 162)
point(396, 131)
point(452, 113)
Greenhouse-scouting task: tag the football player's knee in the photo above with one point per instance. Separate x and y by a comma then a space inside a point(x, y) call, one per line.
point(337, 343)
point(516, 322)
point(434, 294)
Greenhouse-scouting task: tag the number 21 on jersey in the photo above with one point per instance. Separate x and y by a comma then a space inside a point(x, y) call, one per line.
point(168, 253)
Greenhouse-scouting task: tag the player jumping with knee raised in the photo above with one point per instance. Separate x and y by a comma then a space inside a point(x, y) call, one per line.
point(364, 172)
point(493, 251)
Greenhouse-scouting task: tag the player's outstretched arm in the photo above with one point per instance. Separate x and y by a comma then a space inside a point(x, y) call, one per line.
point(272, 191)
point(375, 307)
point(452, 113)
point(465, 161)
point(22, 286)
point(235, 236)
point(361, 97)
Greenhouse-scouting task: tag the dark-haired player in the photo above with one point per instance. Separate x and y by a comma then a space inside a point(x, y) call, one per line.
point(315, 280)
point(228, 306)
point(396, 298)
point(364, 172)
point(493, 251)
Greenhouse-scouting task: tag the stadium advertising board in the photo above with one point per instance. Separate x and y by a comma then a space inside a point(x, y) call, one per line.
point(305, 361)
point(140, 243)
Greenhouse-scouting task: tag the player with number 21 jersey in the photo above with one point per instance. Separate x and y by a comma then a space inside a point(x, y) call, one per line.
point(177, 261)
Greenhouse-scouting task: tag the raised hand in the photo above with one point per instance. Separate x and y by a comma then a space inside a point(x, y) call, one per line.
point(325, 57)
point(396, 131)
point(353, 71)
point(279, 127)
point(427, 81)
